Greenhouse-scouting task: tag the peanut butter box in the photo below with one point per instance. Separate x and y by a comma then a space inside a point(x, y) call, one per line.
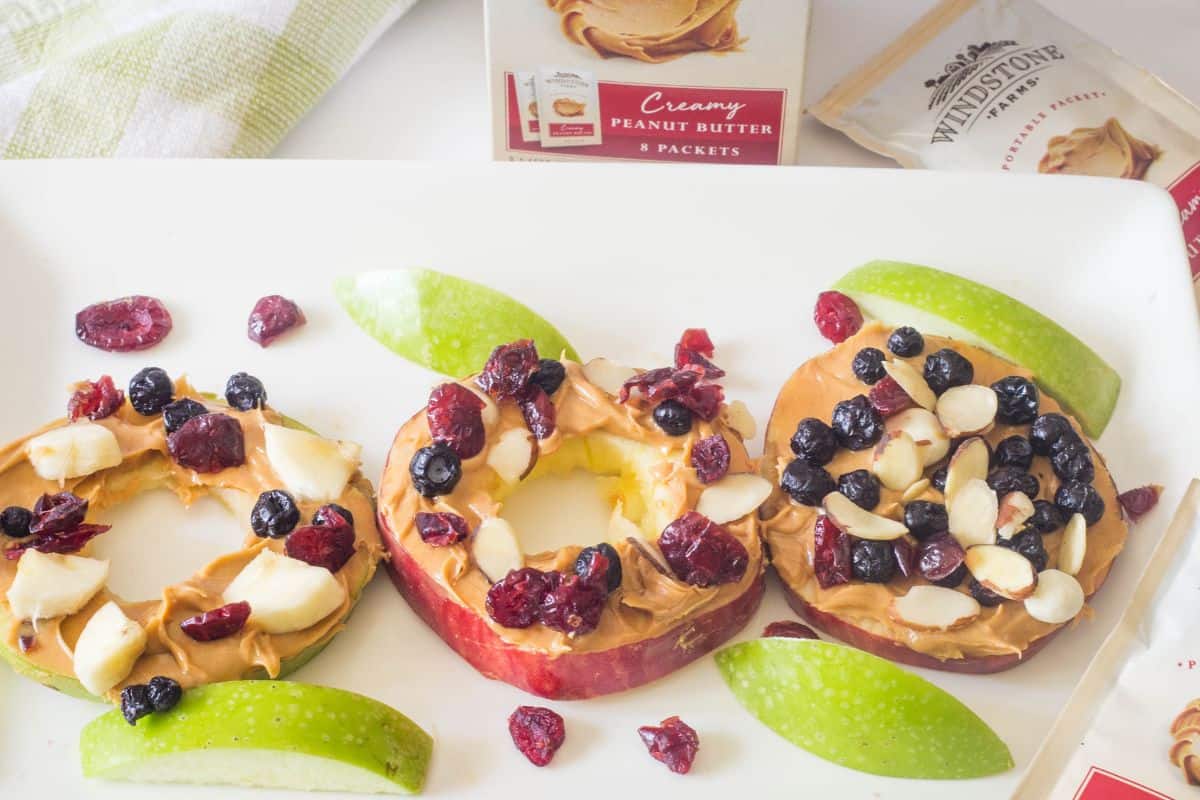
point(708, 81)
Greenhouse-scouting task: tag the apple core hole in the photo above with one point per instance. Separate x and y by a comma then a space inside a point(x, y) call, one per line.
point(559, 510)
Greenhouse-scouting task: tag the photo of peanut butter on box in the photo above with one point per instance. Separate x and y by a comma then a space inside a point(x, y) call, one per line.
point(652, 31)
point(1186, 730)
point(1108, 151)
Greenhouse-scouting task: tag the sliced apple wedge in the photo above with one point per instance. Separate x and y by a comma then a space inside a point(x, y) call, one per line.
point(285, 594)
point(857, 521)
point(737, 416)
point(973, 513)
point(607, 375)
point(107, 648)
point(513, 455)
point(912, 382)
point(897, 462)
point(733, 497)
point(923, 426)
point(496, 549)
point(1006, 572)
point(934, 608)
point(310, 466)
point(1074, 545)
point(73, 451)
point(1015, 510)
point(969, 462)
point(1057, 598)
point(50, 584)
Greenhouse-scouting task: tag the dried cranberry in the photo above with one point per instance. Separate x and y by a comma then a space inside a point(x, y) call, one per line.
point(701, 552)
point(218, 623)
point(906, 556)
point(837, 316)
point(537, 732)
point(508, 369)
point(704, 400)
point(683, 385)
point(441, 529)
point(539, 412)
point(271, 317)
point(573, 603)
point(710, 458)
point(788, 629)
point(124, 324)
point(455, 416)
point(672, 742)
point(939, 556)
point(889, 397)
point(71, 541)
point(695, 347)
point(831, 553)
point(95, 400)
point(514, 602)
point(55, 513)
point(1139, 502)
point(208, 443)
point(328, 546)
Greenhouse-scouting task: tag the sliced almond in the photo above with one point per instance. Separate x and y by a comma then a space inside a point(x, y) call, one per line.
point(897, 462)
point(513, 454)
point(1015, 509)
point(912, 382)
point(738, 417)
point(923, 426)
point(967, 410)
point(1074, 545)
point(970, 461)
point(916, 490)
point(733, 497)
point(607, 375)
point(859, 522)
point(495, 548)
point(973, 514)
point(934, 608)
point(1057, 599)
point(1006, 572)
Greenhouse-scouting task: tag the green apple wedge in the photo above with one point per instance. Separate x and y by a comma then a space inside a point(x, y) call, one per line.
point(946, 304)
point(273, 734)
point(860, 711)
point(440, 321)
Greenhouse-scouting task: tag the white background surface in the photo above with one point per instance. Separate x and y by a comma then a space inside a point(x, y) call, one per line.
point(421, 92)
point(746, 269)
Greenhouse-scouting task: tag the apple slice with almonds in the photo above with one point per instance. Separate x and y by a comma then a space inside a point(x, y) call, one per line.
point(967, 410)
point(1005, 572)
point(514, 454)
point(1057, 598)
point(1015, 510)
point(934, 608)
point(912, 382)
point(1074, 545)
point(733, 497)
point(857, 521)
point(897, 462)
point(973, 513)
point(969, 462)
point(496, 549)
point(923, 426)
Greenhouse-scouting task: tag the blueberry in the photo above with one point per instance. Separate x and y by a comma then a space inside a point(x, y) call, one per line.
point(180, 411)
point(868, 365)
point(150, 390)
point(1046, 430)
point(814, 442)
point(938, 479)
point(1029, 544)
point(1077, 497)
point(274, 514)
point(612, 576)
point(1015, 451)
point(549, 375)
point(954, 579)
point(906, 342)
point(435, 470)
point(805, 483)
point(984, 596)
point(163, 693)
point(1071, 459)
point(861, 487)
point(1046, 517)
point(1006, 480)
point(320, 516)
point(15, 521)
point(1018, 400)
point(673, 417)
point(947, 368)
point(244, 392)
point(856, 424)
point(874, 562)
point(135, 702)
point(924, 518)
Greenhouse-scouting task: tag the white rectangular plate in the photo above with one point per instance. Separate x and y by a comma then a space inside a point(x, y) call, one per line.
point(622, 258)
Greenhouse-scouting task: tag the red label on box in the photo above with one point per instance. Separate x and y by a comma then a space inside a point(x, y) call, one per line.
point(674, 123)
point(571, 128)
point(1101, 784)
point(1186, 192)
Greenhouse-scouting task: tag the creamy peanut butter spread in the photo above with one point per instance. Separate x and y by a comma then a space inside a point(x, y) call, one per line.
point(1108, 151)
point(566, 107)
point(650, 30)
point(146, 465)
point(812, 391)
point(648, 602)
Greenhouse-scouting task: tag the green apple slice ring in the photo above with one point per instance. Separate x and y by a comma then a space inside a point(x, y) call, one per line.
point(860, 711)
point(272, 734)
point(49, 601)
point(943, 303)
point(440, 321)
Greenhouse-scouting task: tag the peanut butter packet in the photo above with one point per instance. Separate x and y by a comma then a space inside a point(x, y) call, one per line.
point(1004, 84)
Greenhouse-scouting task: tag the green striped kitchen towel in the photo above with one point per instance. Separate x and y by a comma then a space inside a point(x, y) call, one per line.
point(88, 78)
